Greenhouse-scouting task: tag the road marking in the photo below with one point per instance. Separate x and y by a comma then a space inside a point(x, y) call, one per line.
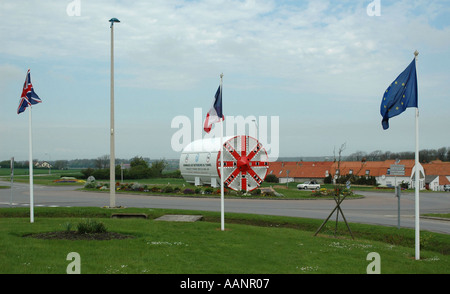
point(36, 205)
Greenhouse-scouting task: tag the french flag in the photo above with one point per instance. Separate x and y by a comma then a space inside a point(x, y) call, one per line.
point(215, 113)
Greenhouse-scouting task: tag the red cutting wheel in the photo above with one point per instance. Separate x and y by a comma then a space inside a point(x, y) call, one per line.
point(245, 163)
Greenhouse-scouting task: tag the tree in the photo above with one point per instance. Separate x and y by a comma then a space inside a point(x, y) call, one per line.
point(441, 153)
point(338, 170)
point(375, 155)
point(157, 167)
point(61, 164)
point(138, 161)
point(102, 162)
point(357, 156)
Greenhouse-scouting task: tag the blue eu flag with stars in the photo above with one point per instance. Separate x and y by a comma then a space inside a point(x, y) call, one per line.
point(401, 94)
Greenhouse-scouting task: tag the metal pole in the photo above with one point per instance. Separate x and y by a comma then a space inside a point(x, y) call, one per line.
point(222, 210)
point(30, 166)
point(12, 180)
point(416, 198)
point(398, 191)
point(112, 170)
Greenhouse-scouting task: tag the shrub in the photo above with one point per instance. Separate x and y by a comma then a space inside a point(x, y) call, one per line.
point(67, 226)
point(91, 226)
point(167, 189)
point(209, 190)
point(271, 179)
point(87, 172)
point(317, 193)
point(256, 192)
point(101, 173)
point(135, 186)
point(188, 191)
point(155, 189)
point(90, 185)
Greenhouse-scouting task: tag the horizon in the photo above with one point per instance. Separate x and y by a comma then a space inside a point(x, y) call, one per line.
point(319, 67)
point(409, 155)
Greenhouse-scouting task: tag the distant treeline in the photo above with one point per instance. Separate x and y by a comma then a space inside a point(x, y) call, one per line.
point(138, 169)
point(102, 162)
point(425, 155)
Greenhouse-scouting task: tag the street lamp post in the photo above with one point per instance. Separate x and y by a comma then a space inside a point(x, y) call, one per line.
point(112, 164)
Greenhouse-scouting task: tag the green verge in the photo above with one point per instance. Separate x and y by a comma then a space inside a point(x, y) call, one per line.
point(250, 244)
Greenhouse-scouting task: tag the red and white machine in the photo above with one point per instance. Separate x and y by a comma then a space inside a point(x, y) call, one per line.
point(245, 162)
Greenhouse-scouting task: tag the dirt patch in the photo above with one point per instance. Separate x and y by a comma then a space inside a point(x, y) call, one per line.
point(73, 235)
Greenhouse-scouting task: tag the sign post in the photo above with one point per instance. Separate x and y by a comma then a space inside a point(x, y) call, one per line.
point(397, 193)
point(397, 170)
point(12, 180)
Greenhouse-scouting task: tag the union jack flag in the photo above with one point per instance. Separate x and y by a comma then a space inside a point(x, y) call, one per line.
point(29, 97)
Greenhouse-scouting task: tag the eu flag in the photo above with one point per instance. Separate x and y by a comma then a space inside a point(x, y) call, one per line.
point(401, 94)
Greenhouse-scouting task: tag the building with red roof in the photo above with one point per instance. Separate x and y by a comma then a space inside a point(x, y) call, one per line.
point(300, 171)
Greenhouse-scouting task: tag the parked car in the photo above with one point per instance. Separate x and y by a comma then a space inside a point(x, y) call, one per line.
point(447, 188)
point(313, 185)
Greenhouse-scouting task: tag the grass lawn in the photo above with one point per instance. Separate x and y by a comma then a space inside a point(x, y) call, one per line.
point(40, 176)
point(251, 244)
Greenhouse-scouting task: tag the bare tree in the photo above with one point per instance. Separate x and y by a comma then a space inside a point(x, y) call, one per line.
point(102, 162)
point(338, 170)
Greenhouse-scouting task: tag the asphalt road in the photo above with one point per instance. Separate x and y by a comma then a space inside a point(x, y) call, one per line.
point(380, 208)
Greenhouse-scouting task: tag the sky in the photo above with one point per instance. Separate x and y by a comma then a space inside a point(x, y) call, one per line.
point(315, 70)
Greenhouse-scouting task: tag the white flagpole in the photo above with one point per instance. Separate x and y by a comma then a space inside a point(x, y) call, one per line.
point(30, 164)
point(112, 155)
point(416, 200)
point(222, 213)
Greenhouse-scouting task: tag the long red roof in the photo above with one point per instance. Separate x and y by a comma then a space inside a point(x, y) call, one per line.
point(320, 169)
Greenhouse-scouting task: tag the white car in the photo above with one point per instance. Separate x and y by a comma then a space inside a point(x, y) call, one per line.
point(313, 185)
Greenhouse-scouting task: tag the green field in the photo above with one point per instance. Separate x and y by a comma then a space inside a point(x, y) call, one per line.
point(41, 176)
point(251, 244)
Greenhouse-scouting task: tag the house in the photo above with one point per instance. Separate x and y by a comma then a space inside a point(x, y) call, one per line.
point(42, 164)
point(300, 171)
point(318, 170)
point(438, 175)
point(385, 178)
point(432, 182)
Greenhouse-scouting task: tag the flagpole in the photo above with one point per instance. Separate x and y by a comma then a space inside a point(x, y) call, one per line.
point(222, 213)
point(30, 165)
point(416, 199)
point(112, 155)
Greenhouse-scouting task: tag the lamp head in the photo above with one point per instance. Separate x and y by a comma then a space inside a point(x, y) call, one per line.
point(113, 20)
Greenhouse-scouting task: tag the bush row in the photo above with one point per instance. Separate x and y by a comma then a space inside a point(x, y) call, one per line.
point(332, 192)
point(355, 180)
point(136, 187)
